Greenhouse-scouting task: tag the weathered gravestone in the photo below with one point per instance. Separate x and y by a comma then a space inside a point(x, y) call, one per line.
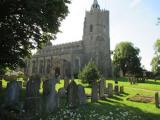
point(94, 96)
point(32, 101)
point(110, 89)
point(157, 100)
point(61, 97)
point(121, 89)
point(66, 83)
point(20, 84)
point(0, 85)
point(50, 96)
point(116, 90)
point(12, 93)
point(72, 94)
point(81, 94)
point(101, 88)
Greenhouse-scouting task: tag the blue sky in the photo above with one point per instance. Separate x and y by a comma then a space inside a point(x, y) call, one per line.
point(130, 20)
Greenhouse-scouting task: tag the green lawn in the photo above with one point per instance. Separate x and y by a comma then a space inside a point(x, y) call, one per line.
point(116, 108)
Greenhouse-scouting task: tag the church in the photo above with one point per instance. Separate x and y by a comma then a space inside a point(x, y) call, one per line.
point(66, 60)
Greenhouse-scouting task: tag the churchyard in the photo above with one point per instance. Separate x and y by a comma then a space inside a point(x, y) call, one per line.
point(61, 100)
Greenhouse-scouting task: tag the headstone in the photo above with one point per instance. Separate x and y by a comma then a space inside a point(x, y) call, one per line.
point(20, 84)
point(110, 89)
point(121, 89)
point(81, 94)
point(12, 93)
point(72, 94)
point(61, 97)
point(157, 101)
point(0, 85)
point(50, 96)
point(94, 96)
point(101, 88)
point(116, 90)
point(32, 101)
point(66, 83)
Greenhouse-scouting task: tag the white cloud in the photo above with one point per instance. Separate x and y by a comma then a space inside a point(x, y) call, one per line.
point(134, 3)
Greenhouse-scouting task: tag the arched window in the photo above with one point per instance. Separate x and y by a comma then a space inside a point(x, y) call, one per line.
point(91, 28)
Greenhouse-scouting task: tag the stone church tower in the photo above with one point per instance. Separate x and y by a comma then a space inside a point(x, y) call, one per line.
point(68, 59)
point(96, 38)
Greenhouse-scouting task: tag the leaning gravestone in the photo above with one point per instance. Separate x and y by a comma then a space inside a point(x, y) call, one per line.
point(157, 100)
point(50, 96)
point(81, 94)
point(101, 88)
point(12, 93)
point(116, 90)
point(94, 96)
point(110, 89)
point(121, 89)
point(32, 101)
point(72, 94)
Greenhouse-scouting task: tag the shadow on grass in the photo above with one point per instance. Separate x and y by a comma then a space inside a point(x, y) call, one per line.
point(102, 107)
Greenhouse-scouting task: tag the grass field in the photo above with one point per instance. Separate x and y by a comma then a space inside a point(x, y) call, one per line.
point(116, 108)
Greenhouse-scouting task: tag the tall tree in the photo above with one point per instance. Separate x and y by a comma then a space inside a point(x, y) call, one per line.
point(126, 57)
point(156, 59)
point(26, 25)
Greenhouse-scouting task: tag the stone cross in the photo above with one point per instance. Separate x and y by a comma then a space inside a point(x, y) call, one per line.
point(81, 94)
point(94, 96)
point(12, 93)
point(72, 94)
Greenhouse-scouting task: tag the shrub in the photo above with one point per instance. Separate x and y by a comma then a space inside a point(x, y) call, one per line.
point(89, 73)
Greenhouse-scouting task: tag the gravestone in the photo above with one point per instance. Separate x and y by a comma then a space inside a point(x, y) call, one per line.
point(66, 83)
point(20, 84)
point(94, 96)
point(81, 94)
point(50, 96)
point(101, 88)
point(61, 97)
point(110, 89)
point(12, 93)
point(32, 101)
point(116, 90)
point(121, 89)
point(0, 85)
point(157, 101)
point(72, 94)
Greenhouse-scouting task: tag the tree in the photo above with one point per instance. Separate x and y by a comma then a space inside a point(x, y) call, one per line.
point(155, 60)
point(126, 57)
point(89, 73)
point(27, 25)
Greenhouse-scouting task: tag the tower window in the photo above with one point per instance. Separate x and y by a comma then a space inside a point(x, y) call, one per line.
point(91, 28)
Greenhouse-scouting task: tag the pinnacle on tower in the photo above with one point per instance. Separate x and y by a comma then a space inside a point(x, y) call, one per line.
point(95, 6)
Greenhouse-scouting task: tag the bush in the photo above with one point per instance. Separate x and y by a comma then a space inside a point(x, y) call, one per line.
point(89, 73)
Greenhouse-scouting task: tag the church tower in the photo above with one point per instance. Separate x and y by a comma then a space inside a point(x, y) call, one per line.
point(96, 38)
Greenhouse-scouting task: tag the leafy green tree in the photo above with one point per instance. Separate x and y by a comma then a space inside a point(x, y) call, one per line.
point(89, 73)
point(126, 57)
point(27, 25)
point(155, 60)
